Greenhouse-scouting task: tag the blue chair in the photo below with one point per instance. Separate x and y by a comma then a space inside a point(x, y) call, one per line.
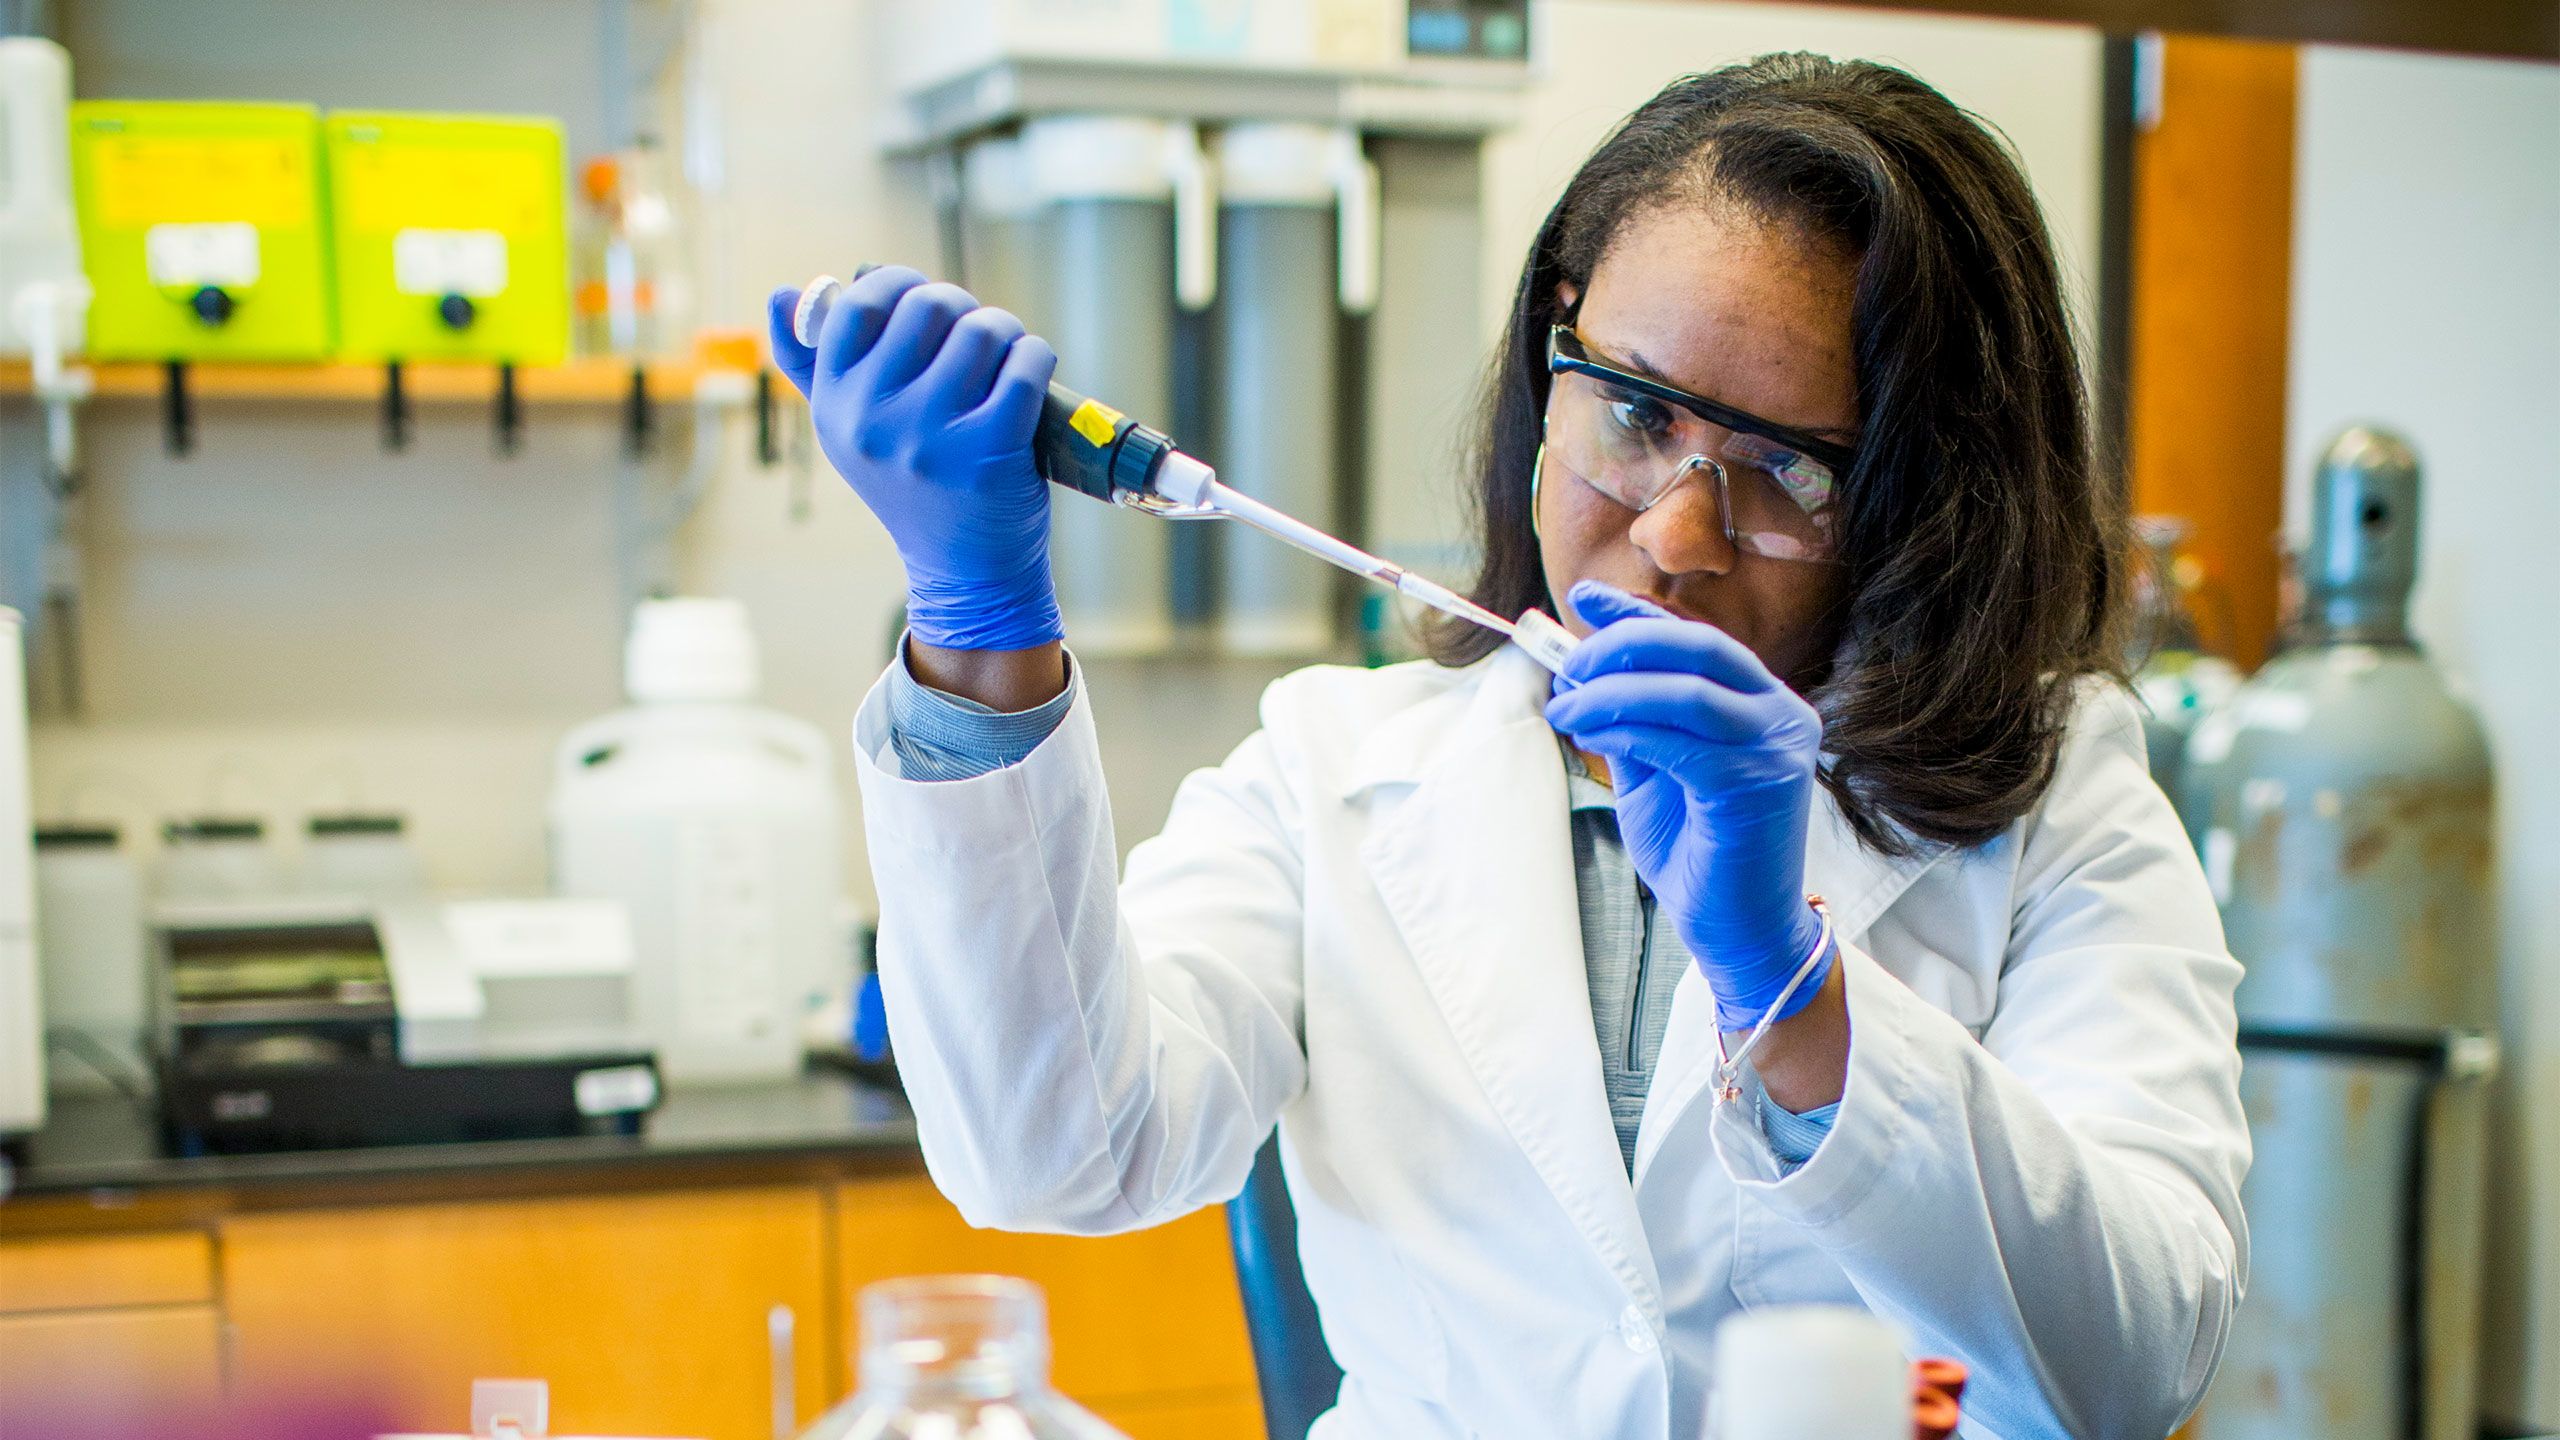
point(1291, 1365)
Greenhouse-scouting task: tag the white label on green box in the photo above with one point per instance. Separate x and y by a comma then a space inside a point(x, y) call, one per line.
point(435, 263)
point(188, 256)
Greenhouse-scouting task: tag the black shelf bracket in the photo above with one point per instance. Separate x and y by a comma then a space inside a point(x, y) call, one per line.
point(396, 416)
point(639, 421)
point(768, 444)
point(177, 410)
point(510, 412)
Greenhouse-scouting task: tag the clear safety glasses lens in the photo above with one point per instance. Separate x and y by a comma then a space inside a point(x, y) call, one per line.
point(1635, 449)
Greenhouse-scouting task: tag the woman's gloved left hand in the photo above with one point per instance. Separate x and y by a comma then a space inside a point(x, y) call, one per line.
point(1713, 761)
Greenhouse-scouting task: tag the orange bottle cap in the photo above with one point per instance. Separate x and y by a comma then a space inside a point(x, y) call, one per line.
point(1940, 1374)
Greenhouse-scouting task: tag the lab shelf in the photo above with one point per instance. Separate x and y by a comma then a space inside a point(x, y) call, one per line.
point(638, 389)
point(1447, 98)
point(578, 382)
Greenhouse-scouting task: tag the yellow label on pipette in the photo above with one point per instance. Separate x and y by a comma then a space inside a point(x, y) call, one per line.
point(1094, 421)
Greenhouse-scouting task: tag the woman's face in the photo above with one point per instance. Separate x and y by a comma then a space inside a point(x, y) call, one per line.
point(1751, 315)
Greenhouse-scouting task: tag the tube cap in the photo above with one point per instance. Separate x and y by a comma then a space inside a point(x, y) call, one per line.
point(1546, 640)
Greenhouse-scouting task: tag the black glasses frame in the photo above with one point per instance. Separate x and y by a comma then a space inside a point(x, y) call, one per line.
point(1567, 354)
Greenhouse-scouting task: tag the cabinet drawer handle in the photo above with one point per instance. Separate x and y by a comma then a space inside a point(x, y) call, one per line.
point(779, 1326)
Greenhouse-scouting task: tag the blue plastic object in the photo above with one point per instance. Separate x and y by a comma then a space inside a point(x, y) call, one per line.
point(870, 1022)
point(1292, 1366)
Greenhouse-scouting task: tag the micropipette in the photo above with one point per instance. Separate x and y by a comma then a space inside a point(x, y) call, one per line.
point(1091, 448)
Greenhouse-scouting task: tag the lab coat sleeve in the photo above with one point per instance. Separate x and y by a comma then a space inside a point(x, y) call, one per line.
point(2057, 1203)
point(1078, 1064)
point(936, 735)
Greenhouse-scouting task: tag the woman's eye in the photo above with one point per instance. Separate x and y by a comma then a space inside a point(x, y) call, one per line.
point(1806, 481)
point(1639, 414)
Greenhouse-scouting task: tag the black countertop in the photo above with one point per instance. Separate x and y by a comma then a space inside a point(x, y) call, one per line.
point(104, 1143)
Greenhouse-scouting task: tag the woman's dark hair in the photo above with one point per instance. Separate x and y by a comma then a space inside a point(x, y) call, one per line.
point(1983, 549)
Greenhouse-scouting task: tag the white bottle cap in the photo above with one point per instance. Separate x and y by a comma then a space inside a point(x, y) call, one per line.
point(690, 648)
point(1796, 1372)
point(811, 312)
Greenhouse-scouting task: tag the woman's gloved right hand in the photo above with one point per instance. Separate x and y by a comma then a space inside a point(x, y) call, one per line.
point(925, 401)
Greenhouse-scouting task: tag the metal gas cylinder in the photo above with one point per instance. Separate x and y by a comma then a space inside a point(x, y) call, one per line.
point(2341, 803)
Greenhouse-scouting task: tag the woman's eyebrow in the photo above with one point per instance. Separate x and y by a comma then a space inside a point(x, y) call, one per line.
point(1635, 363)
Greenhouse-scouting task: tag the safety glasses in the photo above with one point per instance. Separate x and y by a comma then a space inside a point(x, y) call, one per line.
point(1634, 440)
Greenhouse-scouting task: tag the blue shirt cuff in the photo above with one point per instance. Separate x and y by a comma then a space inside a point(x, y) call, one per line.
point(940, 736)
point(1792, 1137)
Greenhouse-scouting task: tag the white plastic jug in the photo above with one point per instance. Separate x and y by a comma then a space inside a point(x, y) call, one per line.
point(716, 822)
point(44, 297)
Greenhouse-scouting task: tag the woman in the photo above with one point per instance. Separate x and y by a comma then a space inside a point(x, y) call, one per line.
point(1790, 426)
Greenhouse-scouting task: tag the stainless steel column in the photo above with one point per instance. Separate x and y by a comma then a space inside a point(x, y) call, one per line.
point(1427, 347)
point(1278, 341)
point(1105, 282)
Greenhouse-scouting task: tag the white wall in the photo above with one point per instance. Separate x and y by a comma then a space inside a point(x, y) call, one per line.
point(2426, 296)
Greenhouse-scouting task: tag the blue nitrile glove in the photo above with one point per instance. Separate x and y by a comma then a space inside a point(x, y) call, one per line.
point(1713, 761)
point(925, 401)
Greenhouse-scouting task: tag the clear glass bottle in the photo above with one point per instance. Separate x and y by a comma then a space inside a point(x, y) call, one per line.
point(634, 291)
point(2179, 678)
point(956, 1357)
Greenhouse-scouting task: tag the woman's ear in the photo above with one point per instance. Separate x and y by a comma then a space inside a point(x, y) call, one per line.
point(1568, 295)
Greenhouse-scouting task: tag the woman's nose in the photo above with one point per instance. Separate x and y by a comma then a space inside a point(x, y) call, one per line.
point(1684, 531)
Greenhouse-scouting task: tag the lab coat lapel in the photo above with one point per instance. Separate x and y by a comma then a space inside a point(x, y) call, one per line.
point(1856, 882)
point(1476, 867)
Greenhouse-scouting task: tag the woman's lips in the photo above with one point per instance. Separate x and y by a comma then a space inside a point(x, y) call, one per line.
point(1679, 611)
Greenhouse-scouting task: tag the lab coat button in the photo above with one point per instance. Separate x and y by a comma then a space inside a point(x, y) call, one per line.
point(1633, 1329)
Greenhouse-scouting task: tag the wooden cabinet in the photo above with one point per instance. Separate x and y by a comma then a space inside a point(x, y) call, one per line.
point(2210, 322)
point(108, 1335)
point(1147, 1329)
point(90, 1272)
point(646, 1312)
point(79, 1373)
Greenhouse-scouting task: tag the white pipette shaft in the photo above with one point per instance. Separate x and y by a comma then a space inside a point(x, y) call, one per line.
point(1535, 631)
point(1234, 503)
point(1227, 500)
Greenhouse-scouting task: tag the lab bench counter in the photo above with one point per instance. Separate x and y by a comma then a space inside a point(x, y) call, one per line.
point(103, 1143)
point(156, 1284)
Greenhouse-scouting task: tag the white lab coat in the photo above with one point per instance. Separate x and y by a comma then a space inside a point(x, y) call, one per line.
point(1362, 925)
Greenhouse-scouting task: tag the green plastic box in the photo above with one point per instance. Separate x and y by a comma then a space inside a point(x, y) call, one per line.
point(451, 236)
point(202, 229)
